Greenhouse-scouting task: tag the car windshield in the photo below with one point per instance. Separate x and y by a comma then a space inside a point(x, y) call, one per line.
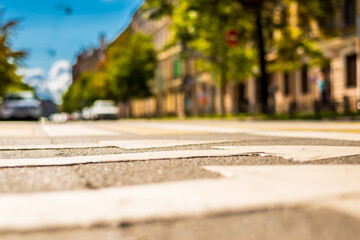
point(104, 103)
point(19, 96)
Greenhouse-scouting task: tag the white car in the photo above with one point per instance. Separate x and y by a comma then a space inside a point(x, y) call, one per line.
point(21, 105)
point(104, 109)
point(86, 113)
point(59, 117)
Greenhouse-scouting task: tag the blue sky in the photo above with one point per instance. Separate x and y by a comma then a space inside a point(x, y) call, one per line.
point(46, 28)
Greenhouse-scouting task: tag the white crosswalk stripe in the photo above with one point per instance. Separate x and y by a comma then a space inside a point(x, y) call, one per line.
point(60, 130)
point(126, 144)
point(249, 188)
point(154, 143)
point(240, 189)
point(300, 153)
point(297, 131)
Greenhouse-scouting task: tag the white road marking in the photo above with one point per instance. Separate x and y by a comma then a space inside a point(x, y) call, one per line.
point(63, 161)
point(153, 143)
point(126, 144)
point(309, 134)
point(300, 153)
point(72, 130)
point(53, 146)
point(242, 128)
point(189, 127)
point(349, 205)
point(8, 129)
point(250, 188)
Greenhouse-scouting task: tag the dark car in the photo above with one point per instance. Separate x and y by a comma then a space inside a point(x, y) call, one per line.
point(20, 105)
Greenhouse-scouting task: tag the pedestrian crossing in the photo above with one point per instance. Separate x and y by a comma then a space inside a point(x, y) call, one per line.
point(17, 129)
point(310, 130)
point(125, 144)
point(247, 189)
point(146, 128)
point(297, 153)
point(69, 130)
point(238, 188)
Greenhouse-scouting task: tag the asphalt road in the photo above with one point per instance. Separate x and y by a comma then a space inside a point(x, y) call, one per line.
point(282, 217)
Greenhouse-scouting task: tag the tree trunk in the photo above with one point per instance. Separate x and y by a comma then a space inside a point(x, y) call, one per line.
point(129, 108)
point(263, 73)
point(186, 73)
point(223, 79)
point(223, 91)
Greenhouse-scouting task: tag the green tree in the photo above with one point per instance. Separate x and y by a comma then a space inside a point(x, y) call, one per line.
point(203, 26)
point(125, 75)
point(132, 68)
point(9, 59)
point(75, 97)
point(200, 26)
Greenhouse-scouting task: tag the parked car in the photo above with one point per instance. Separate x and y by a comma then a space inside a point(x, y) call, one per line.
point(86, 113)
point(104, 109)
point(59, 117)
point(20, 105)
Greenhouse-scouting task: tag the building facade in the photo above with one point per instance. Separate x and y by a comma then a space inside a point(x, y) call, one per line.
point(168, 74)
point(89, 59)
point(335, 86)
point(181, 89)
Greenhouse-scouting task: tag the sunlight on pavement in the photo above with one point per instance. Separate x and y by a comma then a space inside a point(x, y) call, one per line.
point(145, 130)
point(16, 129)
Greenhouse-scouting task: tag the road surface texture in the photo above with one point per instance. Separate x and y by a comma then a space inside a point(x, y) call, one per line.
point(176, 180)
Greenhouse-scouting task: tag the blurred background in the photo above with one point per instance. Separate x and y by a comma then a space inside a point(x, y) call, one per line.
point(106, 59)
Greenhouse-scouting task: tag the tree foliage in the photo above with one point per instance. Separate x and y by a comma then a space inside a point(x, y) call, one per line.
point(129, 67)
point(200, 26)
point(280, 27)
point(9, 59)
point(133, 68)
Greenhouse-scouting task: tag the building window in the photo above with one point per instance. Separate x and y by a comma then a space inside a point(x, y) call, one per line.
point(177, 68)
point(351, 70)
point(350, 12)
point(286, 84)
point(304, 80)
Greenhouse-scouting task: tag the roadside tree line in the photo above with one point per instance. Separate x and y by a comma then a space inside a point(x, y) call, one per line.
point(273, 35)
point(126, 73)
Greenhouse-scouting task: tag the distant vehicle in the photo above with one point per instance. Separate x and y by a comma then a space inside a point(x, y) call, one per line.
point(75, 116)
point(59, 117)
point(85, 113)
point(20, 105)
point(104, 109)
